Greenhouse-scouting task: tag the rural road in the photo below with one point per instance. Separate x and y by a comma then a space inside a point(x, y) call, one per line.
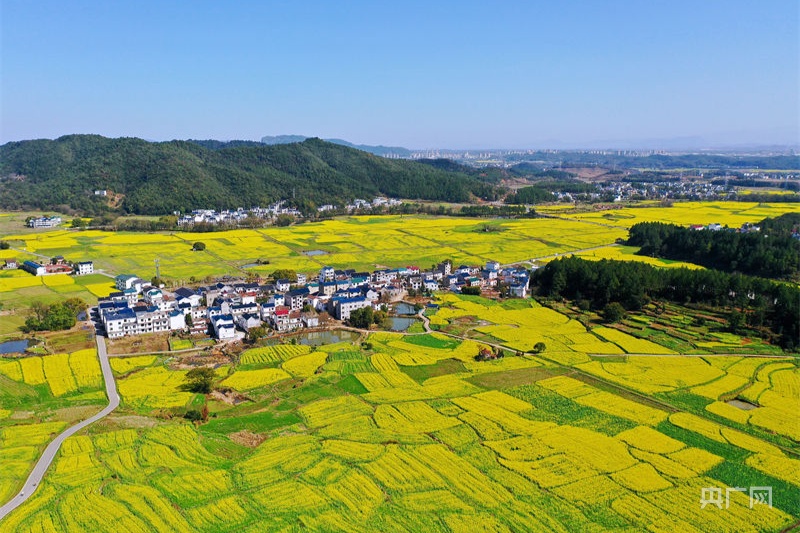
point(35, 478)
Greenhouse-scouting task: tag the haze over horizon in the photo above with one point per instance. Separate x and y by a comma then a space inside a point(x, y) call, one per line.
point(458, 75)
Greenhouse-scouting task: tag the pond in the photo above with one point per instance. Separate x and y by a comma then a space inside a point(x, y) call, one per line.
point(401, 323)
point(318, 338)
point(14, 346)
point(314, 252)
point(403, 308)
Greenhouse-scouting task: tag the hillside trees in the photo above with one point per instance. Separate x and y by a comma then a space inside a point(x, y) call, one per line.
point(763, 302)
point(775, 255)
point(159, 178)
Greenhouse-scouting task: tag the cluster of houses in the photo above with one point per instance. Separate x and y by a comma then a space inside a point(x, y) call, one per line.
point(234, 216)
point(57, 265)
point(229, 310)
point(44, 222)
point(747, 227)
point(359, 204)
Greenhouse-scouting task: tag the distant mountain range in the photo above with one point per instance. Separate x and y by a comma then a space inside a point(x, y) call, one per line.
point(162, 177)
point(397, 151)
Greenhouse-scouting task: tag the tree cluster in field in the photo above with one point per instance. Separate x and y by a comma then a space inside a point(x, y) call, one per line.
point(285, 273)
point(200, 380)
point(363, 318)
point(761, 302)
point(58, 316)
point(160, 178)
point(771, 254)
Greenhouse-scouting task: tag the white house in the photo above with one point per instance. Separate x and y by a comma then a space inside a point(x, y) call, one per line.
point(327, 273)
point(177, 320)
point(348, 305)
point(520, 290)
point(44, 222)
point(248, 321)
point(34, 268)
point(223, 327)
point(431, 285)
point(310, 320)
point(128, 281)
point(84, 267)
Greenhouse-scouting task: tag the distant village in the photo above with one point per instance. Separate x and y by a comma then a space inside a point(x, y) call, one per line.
point(230, 310)
point(238, 216)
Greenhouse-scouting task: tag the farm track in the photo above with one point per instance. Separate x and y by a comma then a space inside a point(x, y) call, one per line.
point(49, 454)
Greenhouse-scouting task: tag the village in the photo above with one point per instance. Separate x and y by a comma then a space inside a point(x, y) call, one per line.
point(229, 310)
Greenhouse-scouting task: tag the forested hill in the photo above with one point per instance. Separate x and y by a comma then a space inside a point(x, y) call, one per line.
point(159, 178)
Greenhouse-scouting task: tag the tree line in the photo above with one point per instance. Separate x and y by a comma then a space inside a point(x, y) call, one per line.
point(767, 253)
point(761, 303)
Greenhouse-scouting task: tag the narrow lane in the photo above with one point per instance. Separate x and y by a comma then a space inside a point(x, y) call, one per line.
point(35, 477)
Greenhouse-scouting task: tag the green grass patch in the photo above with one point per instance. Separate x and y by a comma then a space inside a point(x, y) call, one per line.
point(256, 422)
point(516, 304)
point(515, 377)
point(93, 279)
point(552, 407)
point(352, 385)
point(442, 368)
point(736, 474)
point(416, 327)
point(179, 344)
point(429, 341)
point(727, 451)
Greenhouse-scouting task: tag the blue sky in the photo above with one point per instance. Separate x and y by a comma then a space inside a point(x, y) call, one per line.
point(461, 74)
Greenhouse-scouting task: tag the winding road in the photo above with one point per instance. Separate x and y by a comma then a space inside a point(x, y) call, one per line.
point(35, 478)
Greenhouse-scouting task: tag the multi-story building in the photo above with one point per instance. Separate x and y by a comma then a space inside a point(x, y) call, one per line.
point(345, 306)
point(84, 267)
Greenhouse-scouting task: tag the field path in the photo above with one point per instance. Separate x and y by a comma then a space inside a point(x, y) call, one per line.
point(31, 253)
point(52, 449)
point(560, 254)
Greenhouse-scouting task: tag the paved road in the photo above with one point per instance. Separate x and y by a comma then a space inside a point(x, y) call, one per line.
point(49, 454)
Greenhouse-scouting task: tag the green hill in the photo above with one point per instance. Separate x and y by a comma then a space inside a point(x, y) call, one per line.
point(159, 178)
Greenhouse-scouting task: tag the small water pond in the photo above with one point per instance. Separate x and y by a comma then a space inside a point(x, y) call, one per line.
point(318, 338)
point(400, 323)
point(14, 346)
point(403, 308)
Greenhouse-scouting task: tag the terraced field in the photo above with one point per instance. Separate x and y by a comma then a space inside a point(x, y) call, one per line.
point(414, 434)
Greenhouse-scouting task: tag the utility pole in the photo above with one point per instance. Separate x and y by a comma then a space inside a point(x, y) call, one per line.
point(158, 270)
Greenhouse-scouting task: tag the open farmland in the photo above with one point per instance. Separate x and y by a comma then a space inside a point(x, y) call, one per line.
point(363, 242)
point(732, 214)
point(349, 440)
point(607, 428)
point(40, 396)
